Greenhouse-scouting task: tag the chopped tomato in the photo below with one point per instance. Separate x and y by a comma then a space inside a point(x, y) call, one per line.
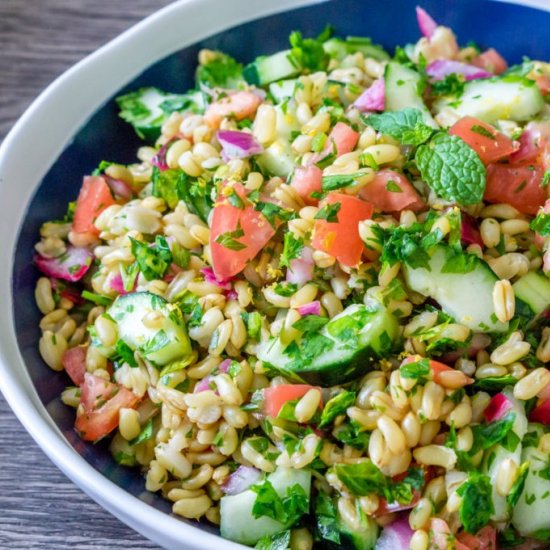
point(341, 238)
point(236, 104)
point(94, 197)
point(102, 402)
point(307, 180)
point(391, 191)
point(74, 363)
point(516, 184)
point(276, 396)
point(485, 539)
point(491, 61)
point(344, 137)
point(543, 84)
point(487, 142)
point(237, 235)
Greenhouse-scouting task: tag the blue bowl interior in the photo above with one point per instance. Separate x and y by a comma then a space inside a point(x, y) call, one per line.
point(519, 32)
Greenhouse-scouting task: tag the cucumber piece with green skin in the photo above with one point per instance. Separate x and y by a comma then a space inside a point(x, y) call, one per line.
point(237, 523)
point(497, 454)
point(338, 48)
point(500, 98)
point(362, 537)
point(533, 289)
point(354, 340)
point(148, 108)
point(165, 343)
point(467, 297)
point(401, 91)
point(270, 68)
point(530, 516)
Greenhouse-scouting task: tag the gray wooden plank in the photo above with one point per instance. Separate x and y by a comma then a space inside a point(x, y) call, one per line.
point(39, 506)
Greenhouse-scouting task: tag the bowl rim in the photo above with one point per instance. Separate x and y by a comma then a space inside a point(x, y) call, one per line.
point(161, 37)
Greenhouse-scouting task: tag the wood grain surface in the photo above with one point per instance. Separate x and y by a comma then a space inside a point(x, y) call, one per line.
point(39, 40)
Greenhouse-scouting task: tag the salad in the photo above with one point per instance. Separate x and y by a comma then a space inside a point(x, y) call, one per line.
point(314, 311)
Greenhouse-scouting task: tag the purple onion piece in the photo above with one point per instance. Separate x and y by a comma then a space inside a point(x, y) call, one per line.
point(397, 534)
point(70, 266)
point(119, 188)
point(159, 160)
point(426, 24)
point(373, 98)
point(440, 68)
point(210, 277)
point(240, 480)
point(312, 308)
point(301, 269)
point(238, 145)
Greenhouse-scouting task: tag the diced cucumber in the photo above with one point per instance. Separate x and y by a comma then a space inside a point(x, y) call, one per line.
point(148, 108)
point(237, 523)
point(270, 68)
point(338, 48)
point(363, 537)
point(278, 159)
point(530, 516)
point(497, 454)
point(354, 340)
point(468, 297)
point(533, 289)
point(164, 343)
point(401, 91)
point(282, 89)
point(500, 98)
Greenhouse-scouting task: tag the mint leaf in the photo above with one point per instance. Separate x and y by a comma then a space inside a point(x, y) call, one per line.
point(452, 169)
point(406, 126)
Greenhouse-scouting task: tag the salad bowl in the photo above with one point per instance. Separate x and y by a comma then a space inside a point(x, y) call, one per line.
point(80, 119)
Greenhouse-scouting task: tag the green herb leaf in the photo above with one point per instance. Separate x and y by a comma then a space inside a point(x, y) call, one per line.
point(273, 213)
point(517, 488)
point(287, 510)
point(452, 169)
point(145, 434)
point(165, 185)
point(419, 370)
point(154, 260)
point(310, 323)
point(222, 71)
point(96, 298)
point(338, 181)
point(541, 224)
point(124, 351)
point(229, 239)
point(325, 514)
point(392, 186)
point(291, 250)
point(279, 541)
point(476, 507)
point(406, 126)
point(336, 406)
point(307, 53)
point(329, 212)
point(452, 84)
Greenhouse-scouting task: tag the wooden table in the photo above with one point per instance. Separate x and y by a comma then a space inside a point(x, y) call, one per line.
point(39, 40)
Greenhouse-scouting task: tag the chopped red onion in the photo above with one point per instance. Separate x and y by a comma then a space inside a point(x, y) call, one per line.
point(238, 145)
point(497, 407)
point(397, 534)
point(224, 365)
point(373, 98)
point(541, 413)
point(426, 24)
point(300, 271)
point(440, 68)
point(210, 277)
point(119, 188)
point(240, 480)
point(203, 385)
point(117, 284)
point(70, 266)
point(469, 232)
point(312, 308)
point(159, 160)
point(231, 294)
point(531, 142)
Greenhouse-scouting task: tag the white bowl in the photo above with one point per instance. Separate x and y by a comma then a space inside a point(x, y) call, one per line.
point(58, 113)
